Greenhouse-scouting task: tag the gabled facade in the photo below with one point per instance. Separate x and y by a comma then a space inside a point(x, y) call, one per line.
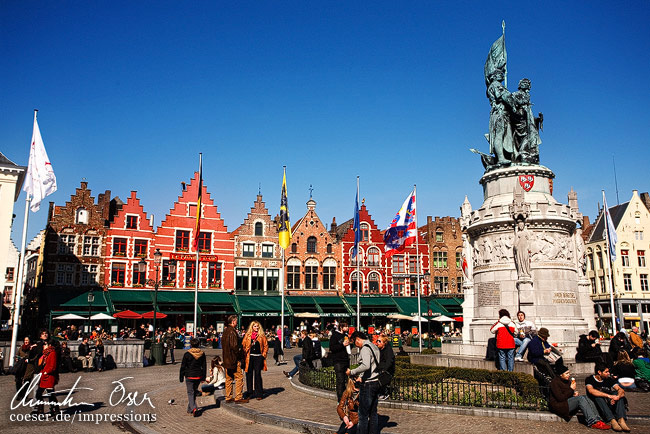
point(631, 268)
point(313, 257)
point(258, 258)
point(175, 238)
point(443, 236)
point(377, 273)
point(129, 239)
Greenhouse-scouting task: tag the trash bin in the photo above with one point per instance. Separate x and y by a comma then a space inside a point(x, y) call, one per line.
point(156, 353)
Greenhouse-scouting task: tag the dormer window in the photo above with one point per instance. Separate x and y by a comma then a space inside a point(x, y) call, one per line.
point(81, 217)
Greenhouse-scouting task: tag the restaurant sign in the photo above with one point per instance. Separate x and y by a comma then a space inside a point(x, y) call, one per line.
point(190, 257)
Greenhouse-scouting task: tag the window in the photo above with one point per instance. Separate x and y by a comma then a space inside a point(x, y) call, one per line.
point(641, 257)
point(591, 261)
point(356, 280)
point(645, 308)
point(398, 286)
point(66, 244)
point(359, 257)
point(593, 285)
point(214, 274)
point(601, 281)
point(440, 259)
point(398, 264)
point(459, 256)
point(89, 275)
point(182, 241)
point(169, 278)
point(91, 246)
point(267, 250)
point(643, 278)
point(329, 248)
point(241, 279)
point(600, 259)
point(638, 235)
point(119, 246)
point(441, 284)
point(311, 245)
point(365, 231)
point(190, 273)
point(81, 217)
point(294, 248)
point(460, 280)
point(259, 229)
point(65, 274)
point(439, 236)
point(205, 242)
point(140, 248)
point(293, 276)
point(139, 277)
point(329, 277)
point(131, 221)
point(9, 275)
point(606, 308)
point(257, 279)
point(629, 308)
point(117, 274)
point(248, 250)
point(625, 258)
point(374, 257)
point(414, 264)
point(373, 283)
point(413, 286)
point(311, 277)
point(272, 279)
point(627, 282)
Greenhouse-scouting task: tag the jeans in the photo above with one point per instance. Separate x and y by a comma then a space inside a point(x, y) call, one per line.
point(254, 377)
point(296, 359)
point(506, 359)
point(606, 409)
point(368, 397)
point(522, 344)
point(587, 406)
point(341, 378)
point(191, 386)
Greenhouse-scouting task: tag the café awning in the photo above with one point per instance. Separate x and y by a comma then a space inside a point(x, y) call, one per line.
point(262, 306)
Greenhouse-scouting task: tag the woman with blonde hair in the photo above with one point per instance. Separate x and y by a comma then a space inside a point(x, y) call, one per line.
point(256, 348)
point(348, 408)
point(624, 371)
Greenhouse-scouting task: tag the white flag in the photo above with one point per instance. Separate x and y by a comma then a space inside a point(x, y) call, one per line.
point(40, 180)
point(611, 231)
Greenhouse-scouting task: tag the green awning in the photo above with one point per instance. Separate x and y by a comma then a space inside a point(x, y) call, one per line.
point(262, 305)
point(126, 296)
point(302, 303)
point(82, 301)
point(409, 306)
point(333, 306)
point(374, 305)
point(452, 305)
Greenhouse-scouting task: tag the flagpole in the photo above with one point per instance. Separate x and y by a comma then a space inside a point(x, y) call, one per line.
point(197, 274)
point(609, 261)
point(19, 283)
point(417, 267)
point(284, 217)
point(283, 337)
point(358, 272)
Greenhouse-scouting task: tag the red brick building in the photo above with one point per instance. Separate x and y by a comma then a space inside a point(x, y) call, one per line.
point(175, 235)
point(313, 258)
point(395, 275)
point(443, 235)
point(258, 258)
point(129, 239)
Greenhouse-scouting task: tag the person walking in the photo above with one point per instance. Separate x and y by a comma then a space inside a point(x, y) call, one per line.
point(48, 378)
point(193, 372)
point(369, 390)
point(504, 329)
point(169, 343)
point(256, 349)
point(339, 346)
point(386, 363)
point(233, 356)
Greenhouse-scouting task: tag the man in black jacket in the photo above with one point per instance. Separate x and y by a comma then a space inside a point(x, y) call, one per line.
point(85, 356)
point(193, 371)
point(386, 363)
point(339, 356)
point(589, 350)
point(307, 354)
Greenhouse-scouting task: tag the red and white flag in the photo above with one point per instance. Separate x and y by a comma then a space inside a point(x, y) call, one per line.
point(40, 180)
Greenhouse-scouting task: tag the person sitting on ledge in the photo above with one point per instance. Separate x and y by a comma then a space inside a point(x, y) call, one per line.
point(565, 400)
point(608, 396)
point(589, 350)
point(540, 354)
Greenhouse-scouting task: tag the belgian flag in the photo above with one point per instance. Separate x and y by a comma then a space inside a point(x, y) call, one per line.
point(285, 227)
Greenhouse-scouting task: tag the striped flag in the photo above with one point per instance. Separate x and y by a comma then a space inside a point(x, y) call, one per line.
point(356, 228)
point(40, 180)
point(402, 231)
point(199, 197)
point(285, 227)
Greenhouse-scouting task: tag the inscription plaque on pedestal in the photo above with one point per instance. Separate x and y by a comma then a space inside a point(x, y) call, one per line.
point(489, 293)
point(564, 297)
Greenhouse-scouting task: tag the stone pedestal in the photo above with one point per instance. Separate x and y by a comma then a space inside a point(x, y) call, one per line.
point(551, 295)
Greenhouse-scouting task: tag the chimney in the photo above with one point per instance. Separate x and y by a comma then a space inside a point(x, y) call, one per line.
point(333, 226)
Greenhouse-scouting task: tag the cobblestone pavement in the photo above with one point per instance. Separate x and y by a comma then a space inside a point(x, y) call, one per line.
point(161, 384)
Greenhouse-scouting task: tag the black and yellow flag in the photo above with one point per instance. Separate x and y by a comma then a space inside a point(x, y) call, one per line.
point(285, 227)
point(199, 197)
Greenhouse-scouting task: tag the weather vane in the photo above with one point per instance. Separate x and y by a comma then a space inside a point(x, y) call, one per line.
point(311, 189)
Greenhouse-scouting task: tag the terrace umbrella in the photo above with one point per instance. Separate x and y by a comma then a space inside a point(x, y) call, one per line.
point(442, 318)
point(100, 317)
point(127, 314)
point(70, 316)
point(149, 315)
point(306, 315)
point(398, 316)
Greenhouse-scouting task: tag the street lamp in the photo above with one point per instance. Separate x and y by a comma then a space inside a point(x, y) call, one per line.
point(91, 299)
point(428, 300)
point(142, 267)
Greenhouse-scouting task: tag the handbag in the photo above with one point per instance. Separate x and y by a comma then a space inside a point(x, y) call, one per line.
point(383, 377)
point(552, 357)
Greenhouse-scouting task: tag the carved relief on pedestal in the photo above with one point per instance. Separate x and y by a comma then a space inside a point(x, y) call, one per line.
point(552, 247)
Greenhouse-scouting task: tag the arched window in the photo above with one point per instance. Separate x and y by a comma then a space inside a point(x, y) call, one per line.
point(359, 257)
point(374, 257)
point(259, 229)
point(329, 248)
point(329, 273)
point(82, 216)
point(311, 274)
point(293, 273)
point(373, 283)
point(356, 279)
point(311, 245)
point(365, 231)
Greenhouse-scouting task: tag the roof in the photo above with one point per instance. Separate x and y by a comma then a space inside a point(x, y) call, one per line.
point(617, 212)
point(342, 229)
point(4, 161)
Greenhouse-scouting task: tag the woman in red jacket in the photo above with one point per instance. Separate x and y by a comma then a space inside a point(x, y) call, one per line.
point(49, 372)
point(505, 331)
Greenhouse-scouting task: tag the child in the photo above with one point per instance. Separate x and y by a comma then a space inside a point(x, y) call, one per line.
point(348, 408)
point(217, 378)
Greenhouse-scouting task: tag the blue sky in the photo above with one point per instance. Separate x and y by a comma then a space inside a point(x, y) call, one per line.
point(130, 92)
